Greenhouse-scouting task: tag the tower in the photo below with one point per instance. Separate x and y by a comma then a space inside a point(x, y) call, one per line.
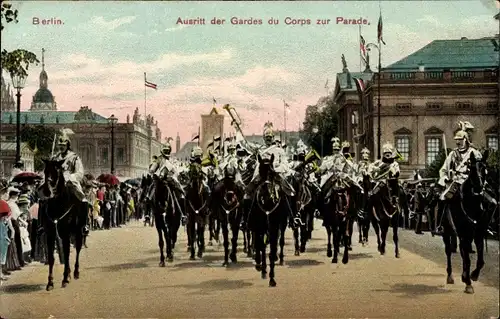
point(177, 143)
point(43, 100)
point(212, 124)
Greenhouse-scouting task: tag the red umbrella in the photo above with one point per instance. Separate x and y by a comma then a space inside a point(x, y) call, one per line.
point(26, 177)
point(108, 179)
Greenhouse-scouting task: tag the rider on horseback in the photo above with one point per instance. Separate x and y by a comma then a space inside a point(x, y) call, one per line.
point(232, 160)
point(163, 167)
point(332, 164)
point(364, 164)
point(453, 173)
point(72, 166)
point(280, 164)
point(196, 157)
point(385, 168)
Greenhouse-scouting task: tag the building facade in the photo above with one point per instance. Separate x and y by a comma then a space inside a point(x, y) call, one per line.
point(423, 96)
point(136, 141)
point(212, 126)
point(8, 158)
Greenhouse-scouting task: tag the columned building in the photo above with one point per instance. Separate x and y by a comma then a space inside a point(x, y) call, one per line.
point(424, 95)
point(136, 141)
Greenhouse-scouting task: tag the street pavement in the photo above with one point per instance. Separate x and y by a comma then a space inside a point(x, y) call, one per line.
point(120, 278)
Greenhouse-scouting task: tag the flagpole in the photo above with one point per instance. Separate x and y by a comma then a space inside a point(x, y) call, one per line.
point(379, 129)
point(145, 96)
point(360, 53)
point(199, 136)
point(284, 118)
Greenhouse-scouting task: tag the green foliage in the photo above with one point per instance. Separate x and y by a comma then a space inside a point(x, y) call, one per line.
point(325, 120)
point(432, 171)
point(18, 61)
point(40, 139)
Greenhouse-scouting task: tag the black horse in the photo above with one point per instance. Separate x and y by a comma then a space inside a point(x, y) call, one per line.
point(465, 217)
point(214, 226)
point(196, 208)
point(386, 211)
point(62, 215)
point(146, 204)
point(335, 208)
point(267, 213)
point(364, 213)
point(227, 197)
point(304, 205)
point(167, 215)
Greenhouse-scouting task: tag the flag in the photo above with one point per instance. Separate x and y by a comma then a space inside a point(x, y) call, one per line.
point(380, 37)
point(196, 137)
point(362, 47)
point(497, 16)
point(360, 85)
point(215, 101)
point(149, 84)
point(326, 84)
point(287, 107)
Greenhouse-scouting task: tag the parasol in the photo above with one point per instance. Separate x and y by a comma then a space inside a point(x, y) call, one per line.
point(26, 177)
point(133, 182)
point(108, 179)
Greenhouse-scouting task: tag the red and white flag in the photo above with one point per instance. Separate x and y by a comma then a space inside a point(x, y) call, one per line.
point(361, 86)
point(380, 37)
point(362, 47)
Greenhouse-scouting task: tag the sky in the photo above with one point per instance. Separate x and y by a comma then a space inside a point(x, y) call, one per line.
point(99, 55)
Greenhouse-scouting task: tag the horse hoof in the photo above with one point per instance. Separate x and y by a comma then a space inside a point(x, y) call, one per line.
point(450, 280)
point(363, 244)
point(349, 248)
point(345, 260)
point(76, 275)
point(329, 253)
point(200, 254)
point(50, 286)
point(302, 249)
point(64, 284)
point(210, 243)
point(282, 262)
point(272, 282)
point(397, 255)
point(162, 264)
point(469, 289)
point(233, 258)
point(225, 264)
point(334, 260)
point(192, 258)
point(297, 253)
point(474, 275)
point(263, 275)
point(170, 259)
point(258, 267)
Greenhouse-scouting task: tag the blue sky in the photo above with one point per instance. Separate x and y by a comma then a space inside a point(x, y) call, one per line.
point(98, 56)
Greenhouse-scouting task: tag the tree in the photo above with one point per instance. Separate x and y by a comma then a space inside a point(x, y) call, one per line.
point(432, 171)
point(321, 123)
point(40, 139)
point(18, 61)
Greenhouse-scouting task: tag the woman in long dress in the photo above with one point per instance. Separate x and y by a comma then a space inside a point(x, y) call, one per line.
point(13, 262)
point(4, 239)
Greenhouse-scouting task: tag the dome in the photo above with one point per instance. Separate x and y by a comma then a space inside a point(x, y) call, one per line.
point(43, 96)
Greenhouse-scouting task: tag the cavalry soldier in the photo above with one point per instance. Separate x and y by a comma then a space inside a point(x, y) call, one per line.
point(362, 168)
point(332, 164)
point(196, 157)
point(385, 168)
point(453, 173)
point(73, 168)
point(163, 167)
point(303, 162)
point(231, 159)
point(280, 164)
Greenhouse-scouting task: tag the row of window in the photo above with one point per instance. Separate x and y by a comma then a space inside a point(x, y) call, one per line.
point(433, 145)
point(104, 156)
point(436, 106)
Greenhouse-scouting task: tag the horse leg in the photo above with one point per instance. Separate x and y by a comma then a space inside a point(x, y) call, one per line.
point(479, 242)
point(66, 245)
point(346, 228)
point(51, 241)
point(465, 245)
point(350, 224)
point(359, 222)
point(211, 230)
point(245, 243)
point(167, 234)
point(281, 232)
point(225, 236)
point(200, 230)
point(296, 240)
point(258, 256)
point(263, 271)
point(273, 244)
point(78, 247)
point(217, 230)
point(191, 229)
point(376, 227)
point(251, 249)
point(336, 234)
point(235, 229)
point(395, 234)
point(161, 244)
point(329, 238)
point(304, 234)
point(366, 229)
point(448, 251)
point(384, 228)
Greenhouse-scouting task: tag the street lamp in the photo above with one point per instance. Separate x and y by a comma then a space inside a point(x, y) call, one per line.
point(112, 120)
point(379, 129)
point(18, 82)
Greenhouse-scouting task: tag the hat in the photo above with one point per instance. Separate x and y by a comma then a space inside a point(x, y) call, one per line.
point(4, 208)
point(23, 199)
point(13, 190)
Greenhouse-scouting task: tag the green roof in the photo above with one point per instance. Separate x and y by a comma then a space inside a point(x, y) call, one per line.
point(463, 54)
point(53, 117)
point(342, 79)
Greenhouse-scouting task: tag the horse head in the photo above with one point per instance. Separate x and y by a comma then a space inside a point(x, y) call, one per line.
point(265, 166)
point(477, 172)
point(53, 172)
